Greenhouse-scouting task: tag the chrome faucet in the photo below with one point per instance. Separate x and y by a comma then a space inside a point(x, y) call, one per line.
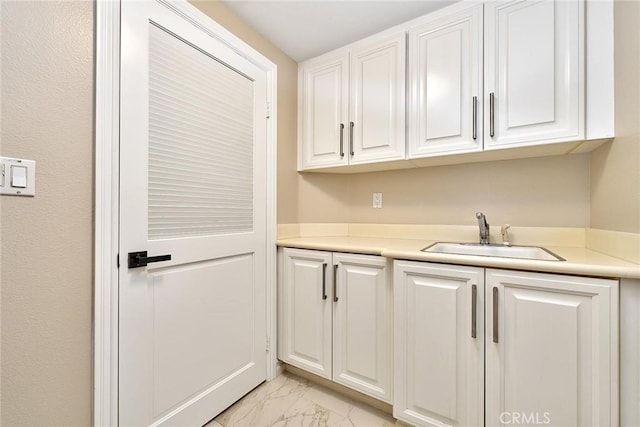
point(484, 228)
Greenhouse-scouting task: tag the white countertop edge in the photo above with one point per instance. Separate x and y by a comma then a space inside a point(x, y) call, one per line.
point(559, 267)
point(579, 261)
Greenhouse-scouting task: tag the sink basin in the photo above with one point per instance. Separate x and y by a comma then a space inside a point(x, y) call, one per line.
point(520, 252)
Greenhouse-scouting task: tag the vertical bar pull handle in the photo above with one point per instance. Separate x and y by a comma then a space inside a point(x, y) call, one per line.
point(341, 140)
point(495, 314)
point(324, 280)
point(474, 310)
point(351, 126)
point(335, 283)
point(492, 108)
point(474, 123)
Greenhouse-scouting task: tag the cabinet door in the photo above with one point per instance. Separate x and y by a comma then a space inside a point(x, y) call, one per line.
point(445, 73)
point(305, 297)
point(377, 100)
point(323, 111)
point(534, 72)
point(362, 324)
point(439, 344)
point(551, 350)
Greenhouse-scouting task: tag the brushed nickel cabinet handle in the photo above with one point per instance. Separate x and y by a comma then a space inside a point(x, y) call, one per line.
point(335, 283)
point(351, 126)
point(492, 107)
point(475, 119)
point(324, 280)
point(474, 310)
point(341, 140)
point(495, 315)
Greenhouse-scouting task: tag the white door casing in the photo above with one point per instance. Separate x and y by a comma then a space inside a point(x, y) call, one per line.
point(362, 324)
point(439, 361)
point(556, 356)
point(445, 78)
point(534, 72)
point(192, 331)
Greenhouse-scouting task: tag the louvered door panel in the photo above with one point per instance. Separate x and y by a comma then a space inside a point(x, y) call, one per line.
point(200, 143)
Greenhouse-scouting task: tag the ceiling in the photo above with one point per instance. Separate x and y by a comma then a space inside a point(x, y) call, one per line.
point(307, 28)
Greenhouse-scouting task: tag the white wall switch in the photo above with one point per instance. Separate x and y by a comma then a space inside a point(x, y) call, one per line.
point(18, 176)
point(377, 200)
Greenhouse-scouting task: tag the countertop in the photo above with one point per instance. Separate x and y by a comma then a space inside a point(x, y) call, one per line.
point(579, 260)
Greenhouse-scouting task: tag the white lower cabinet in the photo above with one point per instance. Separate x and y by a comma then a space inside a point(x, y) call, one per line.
point(305, 310)
point(549, 352)
point(335, 318)
point(439, 341)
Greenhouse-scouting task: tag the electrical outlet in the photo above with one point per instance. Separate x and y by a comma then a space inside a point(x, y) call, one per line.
point(377, 200)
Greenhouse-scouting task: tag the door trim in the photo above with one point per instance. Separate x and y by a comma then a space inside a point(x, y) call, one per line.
point(106, 207)
point(106, 203)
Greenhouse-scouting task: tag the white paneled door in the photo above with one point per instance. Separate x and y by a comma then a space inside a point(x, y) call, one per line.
point(193, 186)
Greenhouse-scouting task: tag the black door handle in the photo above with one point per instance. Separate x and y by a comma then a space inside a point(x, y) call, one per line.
point(140, 259)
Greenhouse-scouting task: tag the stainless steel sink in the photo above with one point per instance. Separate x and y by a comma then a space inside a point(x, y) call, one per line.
point(494, 250)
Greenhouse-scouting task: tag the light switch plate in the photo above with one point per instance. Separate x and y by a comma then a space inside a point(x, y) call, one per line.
point(12, 181)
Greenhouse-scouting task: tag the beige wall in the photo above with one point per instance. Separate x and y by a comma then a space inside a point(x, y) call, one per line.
point(287, 99)
point(545, 192)
point(47, 250)
point(615, 167)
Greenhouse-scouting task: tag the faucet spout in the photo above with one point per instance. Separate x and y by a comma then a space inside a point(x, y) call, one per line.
point(484, 228)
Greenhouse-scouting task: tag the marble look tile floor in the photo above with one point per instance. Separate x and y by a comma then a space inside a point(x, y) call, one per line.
point(292, 401)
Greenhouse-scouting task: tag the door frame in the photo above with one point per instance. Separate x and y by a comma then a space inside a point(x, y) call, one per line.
point(106, 202)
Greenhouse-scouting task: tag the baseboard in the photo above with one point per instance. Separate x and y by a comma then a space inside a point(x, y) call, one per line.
point(338, 388)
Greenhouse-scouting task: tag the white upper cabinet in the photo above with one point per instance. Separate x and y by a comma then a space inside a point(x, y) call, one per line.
point(445, 82)
point(323, 113)
point(480, 77)
point(534, 72)
point(377, 101)
point(352, 104)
